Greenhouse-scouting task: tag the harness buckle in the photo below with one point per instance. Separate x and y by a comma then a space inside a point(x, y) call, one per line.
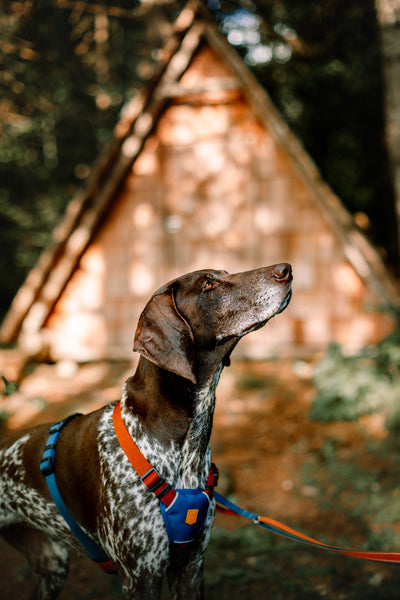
point(155, 479)
point(47, 466)
point(158, 486)
point(212, 481)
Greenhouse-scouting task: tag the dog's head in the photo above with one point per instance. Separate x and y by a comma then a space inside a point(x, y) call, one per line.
point(208, 309)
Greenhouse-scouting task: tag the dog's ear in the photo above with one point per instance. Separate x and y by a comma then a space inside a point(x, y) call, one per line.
point(164, 337)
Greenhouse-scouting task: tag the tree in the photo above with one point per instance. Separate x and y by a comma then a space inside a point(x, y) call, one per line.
point(68, 69)
point(389, 21)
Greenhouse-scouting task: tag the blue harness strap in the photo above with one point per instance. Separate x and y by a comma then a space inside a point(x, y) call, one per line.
point(47, 469)
point(184, 511)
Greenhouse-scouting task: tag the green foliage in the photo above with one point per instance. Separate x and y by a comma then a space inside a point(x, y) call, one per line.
point(366, 497)
point(66, 73)
point(252, 562)
point(384, 506)
point(250, 559)
point(341, 64)
point(350, 386)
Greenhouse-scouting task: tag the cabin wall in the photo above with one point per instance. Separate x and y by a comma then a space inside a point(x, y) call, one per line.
point(213, 189)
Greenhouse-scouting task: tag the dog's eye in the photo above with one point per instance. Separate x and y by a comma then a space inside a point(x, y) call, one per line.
point(208, 284)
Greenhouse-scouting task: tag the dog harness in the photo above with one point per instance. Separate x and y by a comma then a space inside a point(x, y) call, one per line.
point(184, 510)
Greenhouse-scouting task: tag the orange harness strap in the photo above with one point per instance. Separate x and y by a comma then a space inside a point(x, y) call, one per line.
point(184, 510)
point(148, 474)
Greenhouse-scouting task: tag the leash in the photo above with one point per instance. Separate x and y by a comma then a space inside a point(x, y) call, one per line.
point(226, 507)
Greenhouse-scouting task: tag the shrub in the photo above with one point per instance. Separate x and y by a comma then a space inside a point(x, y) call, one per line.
point(366, 383)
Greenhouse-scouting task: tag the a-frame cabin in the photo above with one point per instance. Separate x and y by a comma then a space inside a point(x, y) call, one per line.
point(203, 173)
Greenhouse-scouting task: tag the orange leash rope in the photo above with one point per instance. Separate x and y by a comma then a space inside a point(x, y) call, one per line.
point(224, 506)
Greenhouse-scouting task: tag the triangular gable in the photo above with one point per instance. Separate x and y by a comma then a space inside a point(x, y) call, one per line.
point(46, 282)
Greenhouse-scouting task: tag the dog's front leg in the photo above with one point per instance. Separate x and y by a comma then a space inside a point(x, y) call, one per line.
point(185, 573)
point(141, 578)
point(185, 576)
point(146, 587)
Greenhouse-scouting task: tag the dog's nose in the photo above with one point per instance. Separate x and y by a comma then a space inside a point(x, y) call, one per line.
point(282, 272)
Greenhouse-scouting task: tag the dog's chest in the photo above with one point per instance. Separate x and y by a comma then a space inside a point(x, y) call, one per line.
point(131, 520)
point(131, 512)
point(174, 462)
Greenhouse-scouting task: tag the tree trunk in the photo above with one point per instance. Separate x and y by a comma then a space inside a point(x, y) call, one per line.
point(388, 12)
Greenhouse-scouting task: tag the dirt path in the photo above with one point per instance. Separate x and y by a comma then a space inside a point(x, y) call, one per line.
point(262, 439)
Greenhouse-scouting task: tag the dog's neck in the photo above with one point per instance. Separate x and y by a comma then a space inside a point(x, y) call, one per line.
point(171, 409)
point(196, 441)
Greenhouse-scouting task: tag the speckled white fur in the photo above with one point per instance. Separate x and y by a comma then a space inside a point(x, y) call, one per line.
point(130, 523)
point(18, 502)
point(131, 508)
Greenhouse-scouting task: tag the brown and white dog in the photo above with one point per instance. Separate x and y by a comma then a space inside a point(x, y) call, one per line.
point(185, 336)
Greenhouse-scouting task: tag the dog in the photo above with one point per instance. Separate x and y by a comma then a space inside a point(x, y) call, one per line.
point(185, 336)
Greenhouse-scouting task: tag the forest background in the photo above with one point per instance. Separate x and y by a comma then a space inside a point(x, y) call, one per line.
point(68, 67)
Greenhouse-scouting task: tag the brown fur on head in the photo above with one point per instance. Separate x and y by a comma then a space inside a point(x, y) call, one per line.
point(202, 315)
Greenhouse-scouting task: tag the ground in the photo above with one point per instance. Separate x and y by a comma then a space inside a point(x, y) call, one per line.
point(329, 480)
